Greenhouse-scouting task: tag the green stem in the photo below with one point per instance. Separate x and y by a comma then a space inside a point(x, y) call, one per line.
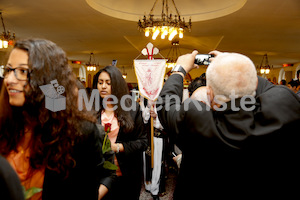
point(104, 141)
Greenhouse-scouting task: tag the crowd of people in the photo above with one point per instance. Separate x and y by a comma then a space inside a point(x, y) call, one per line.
point(237, 134)
point(293, 84)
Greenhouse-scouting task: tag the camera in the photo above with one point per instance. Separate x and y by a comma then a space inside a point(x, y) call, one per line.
point(203, 59)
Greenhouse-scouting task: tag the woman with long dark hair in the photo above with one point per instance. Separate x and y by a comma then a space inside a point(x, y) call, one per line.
point(128, 140)
point(59, 152)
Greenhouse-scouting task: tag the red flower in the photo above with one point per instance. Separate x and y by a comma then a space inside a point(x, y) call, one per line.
point(107, 127)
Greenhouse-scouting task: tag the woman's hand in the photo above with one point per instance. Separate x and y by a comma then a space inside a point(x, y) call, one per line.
point(117, 147)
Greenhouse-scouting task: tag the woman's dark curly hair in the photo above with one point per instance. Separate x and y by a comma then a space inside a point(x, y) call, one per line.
point(54, 133)
point(119, 88)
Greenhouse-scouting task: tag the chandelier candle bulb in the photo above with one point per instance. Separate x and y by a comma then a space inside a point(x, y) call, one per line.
point(180, 33)
point(147, 32)
point(165, 31)
point(155, 34)
point(5, 44)
point(173, 34)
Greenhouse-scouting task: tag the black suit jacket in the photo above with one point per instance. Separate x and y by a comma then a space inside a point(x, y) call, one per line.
point(226, 153)
point(83, 180)
point(10, 184)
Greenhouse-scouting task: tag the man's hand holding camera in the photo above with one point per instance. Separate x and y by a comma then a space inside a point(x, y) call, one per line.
point(187, 62)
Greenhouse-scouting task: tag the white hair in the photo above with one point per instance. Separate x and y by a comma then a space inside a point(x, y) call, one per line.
point(232, 73)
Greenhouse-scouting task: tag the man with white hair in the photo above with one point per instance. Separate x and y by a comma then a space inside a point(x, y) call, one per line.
point(230, 74)
point(245, 145)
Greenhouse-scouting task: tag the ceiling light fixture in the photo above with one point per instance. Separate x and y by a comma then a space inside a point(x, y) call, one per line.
point(6, 38)
point(173, 54)
point(124, 74)
point(91, 65)
point(264, 65)
point(167, 25)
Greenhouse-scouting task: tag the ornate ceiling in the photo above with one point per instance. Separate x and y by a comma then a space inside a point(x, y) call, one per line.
point(108, 28)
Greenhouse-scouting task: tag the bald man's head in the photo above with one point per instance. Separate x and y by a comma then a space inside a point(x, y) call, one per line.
point(232, 72)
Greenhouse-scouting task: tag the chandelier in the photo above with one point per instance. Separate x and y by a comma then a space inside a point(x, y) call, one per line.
point(167, 25)
point(6, 38)
point(91, 65)
point(264, 65)
point(124, 74)
point(173, 54)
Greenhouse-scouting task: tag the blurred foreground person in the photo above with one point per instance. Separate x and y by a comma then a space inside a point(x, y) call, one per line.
point(245, 144)
point(10, 185)
point(58, 152)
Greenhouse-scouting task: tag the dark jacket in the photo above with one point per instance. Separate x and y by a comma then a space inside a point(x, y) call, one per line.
point(10, 184)
point(134, 142)
point(228, 153)
point(83, 180)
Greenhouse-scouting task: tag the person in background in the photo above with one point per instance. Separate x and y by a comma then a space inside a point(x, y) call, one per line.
point(298, 80)
point(282, 82)
point(127, 136)
point(293, 85)
point(200, 94)
point(238, 147)
point(154, 177)
point(196, 83)
point(57, 152)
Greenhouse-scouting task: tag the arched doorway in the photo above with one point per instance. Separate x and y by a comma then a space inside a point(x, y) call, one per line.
point(82, 73)
point(297, 68)
point(281, 75)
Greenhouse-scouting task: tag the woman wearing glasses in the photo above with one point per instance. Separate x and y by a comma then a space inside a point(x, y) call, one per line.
point(58, 152)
